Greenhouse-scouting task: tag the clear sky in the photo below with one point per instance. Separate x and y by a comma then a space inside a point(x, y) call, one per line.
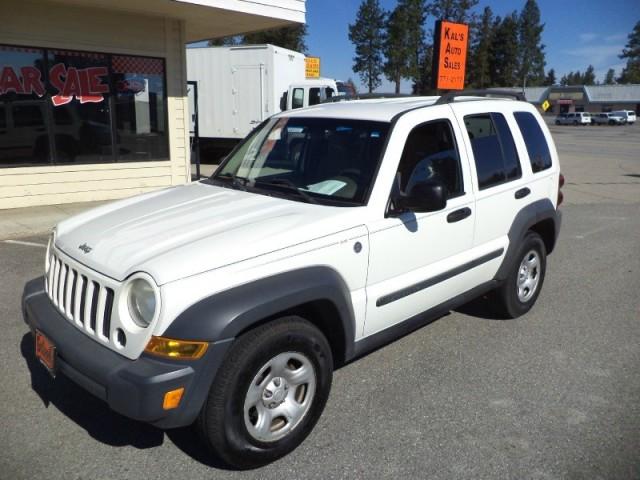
point(576, 33)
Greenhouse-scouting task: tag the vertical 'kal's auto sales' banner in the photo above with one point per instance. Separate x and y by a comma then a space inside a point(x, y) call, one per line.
point(450, 55)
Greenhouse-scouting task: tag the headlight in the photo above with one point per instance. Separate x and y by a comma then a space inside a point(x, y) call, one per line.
point(50, 243)
point(141, 301)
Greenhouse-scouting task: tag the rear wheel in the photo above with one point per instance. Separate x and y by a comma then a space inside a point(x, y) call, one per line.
point(269, 393)
point(520, 290)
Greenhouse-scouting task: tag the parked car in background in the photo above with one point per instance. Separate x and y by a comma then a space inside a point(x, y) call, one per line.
point(561, 119)
point(629, 116)
point(574, 118)
point(608, 118)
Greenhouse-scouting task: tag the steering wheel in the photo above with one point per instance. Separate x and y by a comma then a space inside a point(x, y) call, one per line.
point(351, 173)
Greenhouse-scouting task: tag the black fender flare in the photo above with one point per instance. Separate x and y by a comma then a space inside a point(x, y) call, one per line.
point(530, 215)
point(226, 314)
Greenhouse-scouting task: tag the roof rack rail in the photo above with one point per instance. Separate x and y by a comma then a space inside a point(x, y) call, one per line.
point(366, 96)
point(451, 96)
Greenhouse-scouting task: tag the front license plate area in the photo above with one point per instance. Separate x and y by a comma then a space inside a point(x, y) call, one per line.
point(46, 352)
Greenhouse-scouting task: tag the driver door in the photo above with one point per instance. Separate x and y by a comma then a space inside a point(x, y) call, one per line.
point(418, 260)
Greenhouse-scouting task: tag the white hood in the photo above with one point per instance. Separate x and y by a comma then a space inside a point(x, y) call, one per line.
point(183, 231)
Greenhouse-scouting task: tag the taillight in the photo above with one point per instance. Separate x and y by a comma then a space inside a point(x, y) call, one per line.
point(560, 185)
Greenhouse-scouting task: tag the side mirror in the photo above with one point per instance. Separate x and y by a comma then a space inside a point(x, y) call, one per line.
point(283, 101)
point(427, 196)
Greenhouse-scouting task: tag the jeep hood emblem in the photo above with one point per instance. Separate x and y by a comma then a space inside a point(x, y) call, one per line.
point(85, 248)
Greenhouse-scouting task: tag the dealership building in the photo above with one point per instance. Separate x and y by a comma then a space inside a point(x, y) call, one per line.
point(583, 98)
point(93, 93)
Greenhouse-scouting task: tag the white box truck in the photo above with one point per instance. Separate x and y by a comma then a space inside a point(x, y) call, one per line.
point(240, 86)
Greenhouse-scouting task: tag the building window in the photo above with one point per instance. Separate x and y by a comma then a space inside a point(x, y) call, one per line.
point(66, 106)
point(140, 107)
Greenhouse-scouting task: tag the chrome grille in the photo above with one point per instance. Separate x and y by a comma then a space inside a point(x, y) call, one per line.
point(83, 300)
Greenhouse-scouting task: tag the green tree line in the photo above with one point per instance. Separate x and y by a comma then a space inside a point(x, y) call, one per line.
point(503, 51)
point(397, 45)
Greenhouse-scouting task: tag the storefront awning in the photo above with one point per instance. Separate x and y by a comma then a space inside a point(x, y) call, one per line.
point(205, 19)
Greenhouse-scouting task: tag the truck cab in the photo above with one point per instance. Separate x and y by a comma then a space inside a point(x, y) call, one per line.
point(308, 93)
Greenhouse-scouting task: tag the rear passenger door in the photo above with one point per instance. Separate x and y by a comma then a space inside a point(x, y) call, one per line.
point(498, 179)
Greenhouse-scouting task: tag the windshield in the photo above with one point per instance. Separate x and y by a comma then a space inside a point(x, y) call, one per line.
point(316, 160)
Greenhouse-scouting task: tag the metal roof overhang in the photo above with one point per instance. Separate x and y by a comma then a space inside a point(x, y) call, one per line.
point(205, 19)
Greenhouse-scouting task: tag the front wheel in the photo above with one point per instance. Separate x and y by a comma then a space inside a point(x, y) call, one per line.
point(520, 290)
point(268, 394)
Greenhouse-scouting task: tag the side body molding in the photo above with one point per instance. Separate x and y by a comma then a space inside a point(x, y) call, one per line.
point(226, 314)
point(530, 215)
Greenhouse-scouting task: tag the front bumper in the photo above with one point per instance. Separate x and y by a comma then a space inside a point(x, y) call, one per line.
point(134, 388)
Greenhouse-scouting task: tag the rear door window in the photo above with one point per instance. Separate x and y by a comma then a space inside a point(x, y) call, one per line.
point(494, 150)
point(534, 139)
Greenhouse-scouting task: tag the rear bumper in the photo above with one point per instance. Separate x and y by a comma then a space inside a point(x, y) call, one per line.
point(134, 388)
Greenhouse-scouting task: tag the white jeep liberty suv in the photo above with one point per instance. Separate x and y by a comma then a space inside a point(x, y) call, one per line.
point(328, 232)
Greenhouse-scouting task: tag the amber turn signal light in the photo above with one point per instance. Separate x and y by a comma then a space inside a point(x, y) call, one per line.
point(172, 398)
point(176, 349)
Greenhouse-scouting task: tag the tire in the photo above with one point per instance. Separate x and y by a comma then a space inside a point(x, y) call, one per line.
point(557, 122)
point(514, 297)
point(249, 390)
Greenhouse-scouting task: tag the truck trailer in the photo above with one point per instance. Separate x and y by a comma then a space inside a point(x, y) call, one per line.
point(238, 87)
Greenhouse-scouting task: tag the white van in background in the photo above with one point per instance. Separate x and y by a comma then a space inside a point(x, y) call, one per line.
point(629, 116)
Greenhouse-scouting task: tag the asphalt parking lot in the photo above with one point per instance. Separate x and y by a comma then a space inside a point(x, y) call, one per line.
point(552, 395)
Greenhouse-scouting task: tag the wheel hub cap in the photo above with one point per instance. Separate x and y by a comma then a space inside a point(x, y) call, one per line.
point(275, 392)
point(528, 276)
point(279, 396)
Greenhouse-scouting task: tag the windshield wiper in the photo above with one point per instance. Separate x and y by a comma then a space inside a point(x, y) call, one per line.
point(239, 182)
point(288, 185)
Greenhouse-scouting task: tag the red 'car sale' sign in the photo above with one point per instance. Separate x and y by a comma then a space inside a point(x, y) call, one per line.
point(83, 84)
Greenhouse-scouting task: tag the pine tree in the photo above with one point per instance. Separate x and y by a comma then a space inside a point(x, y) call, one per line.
point(458, 11)
point(479, 64)
point(504, 52)
point(395, 49)
point(572, 78)
point(550, 79)
point(532, 57)
point(589, 77)
point(292, 38)
point(224, 41)
point(405, 45)
point(631, 72)
point(367, 35)
point(610, 77)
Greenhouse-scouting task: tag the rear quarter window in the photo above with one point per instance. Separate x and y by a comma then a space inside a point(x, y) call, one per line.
point(534, 139)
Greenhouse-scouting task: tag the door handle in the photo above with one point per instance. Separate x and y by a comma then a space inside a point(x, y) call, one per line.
point(523, 192)
point(458, 215)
